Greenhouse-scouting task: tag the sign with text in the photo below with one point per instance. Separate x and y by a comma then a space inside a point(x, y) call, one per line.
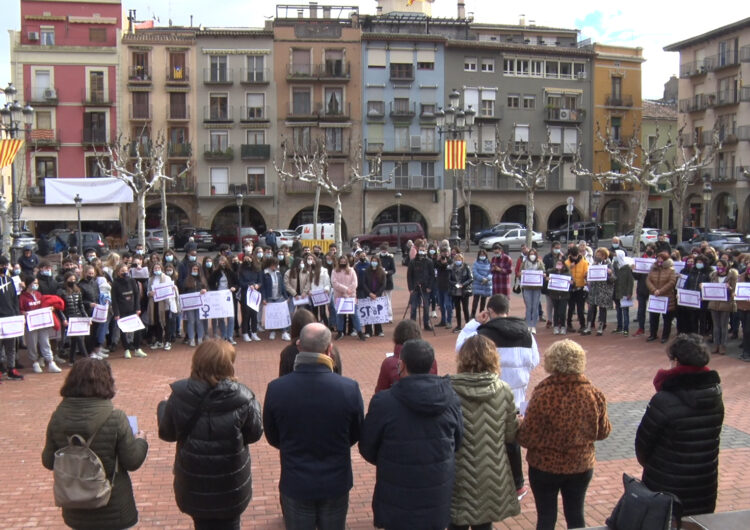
point(11, 327)
point(658, 304)
point(253, 299)
point(276, 316)
point(345, 306)
point(216, 304)
point(643, 265)
point(687, 298)
point(559, 282)
point(373, 311)
point(39, 319)
point(532, 278)
point(742, 292)
point(130, 324)
point(163, 291)
point(78, 327)
point(100, 313)
point(715, 292)
point(597, 273)
point(320, 298)
point(190, 301)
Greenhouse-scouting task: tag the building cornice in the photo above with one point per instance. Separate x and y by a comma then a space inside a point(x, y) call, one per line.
point(527, 49)
point(718, 32)
point(234, 32)
point(235, 51)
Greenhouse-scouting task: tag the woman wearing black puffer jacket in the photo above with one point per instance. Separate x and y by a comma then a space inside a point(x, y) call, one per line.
point(212, 418)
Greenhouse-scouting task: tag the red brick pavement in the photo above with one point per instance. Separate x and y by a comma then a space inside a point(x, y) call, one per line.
point(622, 367)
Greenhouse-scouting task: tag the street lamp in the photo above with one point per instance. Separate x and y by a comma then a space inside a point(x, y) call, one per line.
point(239, 200)
point(398, 219)
point(707, 194)
point(79, 240)
point(596, 197)
point(455, 122)
point(12, 113)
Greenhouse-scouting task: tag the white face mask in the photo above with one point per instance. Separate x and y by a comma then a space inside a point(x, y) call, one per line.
point(532, 258)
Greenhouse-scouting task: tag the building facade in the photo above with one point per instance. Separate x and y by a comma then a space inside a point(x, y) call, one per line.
point(713, 96)
point(659, 129)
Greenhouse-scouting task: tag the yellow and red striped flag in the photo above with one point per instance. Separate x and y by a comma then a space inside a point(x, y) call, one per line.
point(455, 154)
point(8, 151)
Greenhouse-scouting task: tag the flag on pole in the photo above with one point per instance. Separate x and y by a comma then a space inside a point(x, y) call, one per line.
point(455, 154)
point(8, 151)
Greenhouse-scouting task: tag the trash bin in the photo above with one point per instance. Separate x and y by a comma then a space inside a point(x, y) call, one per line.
point(608, 230)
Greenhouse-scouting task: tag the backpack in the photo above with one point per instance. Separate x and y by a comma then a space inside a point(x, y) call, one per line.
point(639, 508)
point(79, 478)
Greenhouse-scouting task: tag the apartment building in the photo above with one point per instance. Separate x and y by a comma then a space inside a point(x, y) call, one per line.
point(713, 95)
point(659, 128)
point(617, 115)
point(236, 129)
point(65, 64)
point(158, 104)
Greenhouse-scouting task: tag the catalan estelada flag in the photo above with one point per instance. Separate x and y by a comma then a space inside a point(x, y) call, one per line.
point(455, 154)
point(8, 151)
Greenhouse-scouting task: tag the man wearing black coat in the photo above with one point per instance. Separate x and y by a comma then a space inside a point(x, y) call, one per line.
point(411, 433)
point(313, 416)
point(420, 277)
point(8, 308)
point(389, 265)
point(47, 282)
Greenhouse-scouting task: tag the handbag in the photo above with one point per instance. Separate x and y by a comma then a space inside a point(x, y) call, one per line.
point(639, 508)
point(516, 286)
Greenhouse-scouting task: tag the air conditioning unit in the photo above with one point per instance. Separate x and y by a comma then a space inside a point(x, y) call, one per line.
point(33, 35)
point(564, 114)
point(581, 76)
point(50, 93)
point(415, 142)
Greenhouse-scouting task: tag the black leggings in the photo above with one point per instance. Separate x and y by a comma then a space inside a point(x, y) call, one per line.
point(559, 306)
point(458, 303)
point(546, 486)
point(249, 320)
point(320, 314)
point(77, 345)
point(480, 301)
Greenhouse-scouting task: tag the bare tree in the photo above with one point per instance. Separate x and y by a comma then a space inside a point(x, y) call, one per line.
point(312, 167)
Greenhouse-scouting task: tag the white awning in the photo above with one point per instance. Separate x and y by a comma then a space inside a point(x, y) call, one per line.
point(89, 212)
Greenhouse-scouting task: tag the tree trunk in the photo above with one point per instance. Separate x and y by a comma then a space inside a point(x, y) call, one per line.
point(640, 216)
point(679, 195)
point(141, 213)
point(164, 212)
point(337, 223)
point(467, 230)
point(529, 216)
point(316, 207)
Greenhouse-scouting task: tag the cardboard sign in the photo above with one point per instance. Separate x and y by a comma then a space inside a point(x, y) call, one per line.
point(626, 302)
point(658, 304)
point(716, 292)
point(78, 327)
point(678, 266)
point(100, 313)
point(319, 298)
point(139, 274)
point(681, 279)
point(373, 311)
point(597, 273)
point(687, 298)
point(742, 292)
point(163, 291)
point(11, 327)
point(190, 301)
point(643, 265)
point(39, 319)
point(253, 299)
point(345, 306)
point(276, 316)
point(305, 300)
point(532, 278)
point(130, 324)
point(217, 304)
point(559, 282)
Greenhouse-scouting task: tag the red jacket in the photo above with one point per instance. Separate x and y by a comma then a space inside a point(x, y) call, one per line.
point(389, 370)
point(29, 301)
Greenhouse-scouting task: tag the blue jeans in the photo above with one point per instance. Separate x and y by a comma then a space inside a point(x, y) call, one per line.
point(226, 327)
point(623, 315)
point(101, 333)
point(194, 325)
point(355, 322)
point(324, 514)
point(445, 301)
point(531, 298)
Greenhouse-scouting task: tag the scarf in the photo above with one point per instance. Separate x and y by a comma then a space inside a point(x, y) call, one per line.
point(663, 375)
point(304, 357)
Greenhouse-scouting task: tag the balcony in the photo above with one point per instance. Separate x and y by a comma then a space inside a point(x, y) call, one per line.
point(94, 136)
point(723, 98)
point(211, 153)
point(43, 96)
point(401, 111)
point(565, 115)
point(619, 101)
point(723, 60)
point(258, 189)
point(255, 77)
point(178, 75)
point(221, 76)
point(727, 174)
point(414, 145)
point(97, 98)
point(177, 113)
point(415, 182)
point(255, 114)
point(35, 194)
point(743, 133)
point(140, 149)
point(400, 72)
point(300, 72)
point(303, 110)
point(180, 150)
point(745, 93)
point(692, 69)
point(496, 115)
point(139, 75)
point(338, 112)
point(179, 184)
point(255, 152)
point(697, 103)
point(727, 136)
point(375, 110)
point(218, 114)
point(334, 70)
point(40, 138)
point(745, 54)
point(140, 112)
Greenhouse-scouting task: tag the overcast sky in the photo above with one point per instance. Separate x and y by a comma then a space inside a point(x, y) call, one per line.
point(651, 24)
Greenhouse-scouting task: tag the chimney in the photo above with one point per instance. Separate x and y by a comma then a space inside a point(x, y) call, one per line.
point(326, 11)
point(300, 13)
point(313, 10)
point(522, 20)
point(461, 9)
point(379, 10)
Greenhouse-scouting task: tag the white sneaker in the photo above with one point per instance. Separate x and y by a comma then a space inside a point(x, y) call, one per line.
point(246, 337)
point(95, 355)
point(167, 346)
point(156, 345)
point(53, 368)
point(563, 330)
point(37, 369)
point(434, 314)
point(191, 343)
point(353, 334)
point(255, 337)
point(533, 330)
point(140, 353)
point(104, 350)
point(272, 335)
point(102, 354)
point(127, 354)
point(261, 329)
point(285, 336)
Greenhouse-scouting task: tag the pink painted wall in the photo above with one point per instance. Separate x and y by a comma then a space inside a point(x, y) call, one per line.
point(70, 34)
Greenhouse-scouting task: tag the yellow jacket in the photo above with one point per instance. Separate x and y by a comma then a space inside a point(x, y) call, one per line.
point(578, 271)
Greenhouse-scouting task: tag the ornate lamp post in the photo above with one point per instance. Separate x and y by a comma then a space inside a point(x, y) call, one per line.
point(595, 198)
point(707, 195)
point(79, 240)
point(398, 219)
point(455, 122)
point(239, 200)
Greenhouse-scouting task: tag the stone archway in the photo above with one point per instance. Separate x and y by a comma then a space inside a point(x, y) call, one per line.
point(408, 215)
point(479, 220)
point(326, 214)
point(517, 214)
point(695, 211)
point(559, 217)
point(226, 219)
point(176, 216)
point(724, 211)
point(616, 211)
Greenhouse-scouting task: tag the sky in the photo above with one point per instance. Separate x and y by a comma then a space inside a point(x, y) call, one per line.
point(650, 24)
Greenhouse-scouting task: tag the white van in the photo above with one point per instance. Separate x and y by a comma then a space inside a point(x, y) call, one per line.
point(325, 231)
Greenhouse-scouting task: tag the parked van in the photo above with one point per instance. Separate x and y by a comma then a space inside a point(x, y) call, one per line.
point(325, 231)
point(389, 233)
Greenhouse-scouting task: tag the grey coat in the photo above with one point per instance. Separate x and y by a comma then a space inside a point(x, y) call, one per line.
point(601, 293)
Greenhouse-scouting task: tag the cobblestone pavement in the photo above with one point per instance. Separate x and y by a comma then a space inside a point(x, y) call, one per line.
point(622, 367)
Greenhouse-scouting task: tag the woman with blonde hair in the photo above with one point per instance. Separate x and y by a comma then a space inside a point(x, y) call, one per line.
point(565, 416)
point(484, 490)
point(213, 418)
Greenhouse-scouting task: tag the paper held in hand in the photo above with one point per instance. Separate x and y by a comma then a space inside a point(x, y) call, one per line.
point(559, 282)
point(643, 265)
point(276, 316)
point(532, 278)
point(742, 292)
point(597, 273)
point(319, 298)
point(658, 304)
point(78, 327)
point(190, 301)
point(11, 327)
point(39, 319)
point(100, 313)
point(130, 324)
point(714, 292)
point(687, 298)
point(681, 280)
point(163, 292)
point(626, 302)
point(345, 306)
point(305, 300)
point(253, 299)
point(678, 266)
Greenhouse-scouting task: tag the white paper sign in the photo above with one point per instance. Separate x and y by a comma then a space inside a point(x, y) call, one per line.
point(190, 301)
point(373, 311)
point(78, 327)
point(139, 274)
point(559, 282)
point(11, 327)
point(253, 299)
point(39, 319)
point(643, 265)
point(320, 298)
point(100, 313)
point(716, 292)
point(678, 266)
point(163, 291)
point(657, 304)
point(626, 302)
point(532, 278)
point(276, 316)
point(130, 324)
point(217, 304)
point(681, 279)
point(597, 273)
point(305, 300)
point(742, 292)
point(345, 306)
point(687, 298)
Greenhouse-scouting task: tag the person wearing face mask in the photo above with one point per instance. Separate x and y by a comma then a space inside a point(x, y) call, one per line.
point(600, 294)
point(273, 290)
point(46, 278)
point(90, 293)
point(221, 279)
point(194, 283)
point(697, 272)
point(549, 260)
point(374, 285)
point(443, 265)
point(743, 308)
point(420, 277)
point(285, 259)
point(247, 250)
point(186, 264)
point(624, 283)
point(531, 294)
point(720, 311)
point(559, 298)
point(320, 280)
point(661, 281)
point(169, 258)
point(250, 277)
point(579, 268)
point(37, 341)
point(74, 307)
point(159, 312)
point(389, 266)
point(615, 246)
point(297, 282)
point(126, 301)
point(482, 286)
point(8, 308)
point(641, 292)
point(461, 281)
point(502, 269)
point(344, 283)
point(361, 265)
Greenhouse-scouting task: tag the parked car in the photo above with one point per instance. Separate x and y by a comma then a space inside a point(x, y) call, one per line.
point(578, 230)
point(25, 239)
point(721, 241)
point(512, 240)
point(496, 230)
point(283, 237)
point(154, 240)
point(202, 236)
point(90, 241)
point(227, 235)
point(389, 233)
point(648, 235)
point(688, 233)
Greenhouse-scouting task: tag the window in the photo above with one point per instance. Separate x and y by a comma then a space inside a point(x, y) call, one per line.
point(651, 142)
point(219, 70)
point(427, 136)
point(427, 110)
point(488, 65)
point(42, 89)
point(46, 167)
point(255, 107)
point(529, 102)
point(301, 62)
point(375, 109)
point(219, 140)
point(487, 109)
point(219, 180)
point(554, 101)
point(178, 135)
point(615, 129)
point(301, 102)
point(334, 101)
point(43, 119)
point(376, 58)
point(256, 136)
point(255, 69)
point(521, 133)
point(522, 67)
point(334, 62)
point(334, 140)
point(178, 106)
point(514, 101)
point(218, 107)
point(400, 105)
point(470, 64)
point(550, 69)
point(579, 70)
point(96, 87)
point(616, 90)
point(256, 180)
point(47, 36)
point(141, 144)
point(566, 70)
point(509, 66)
point(98, 34)
point(401, 138)
point(402, 71)
point(141, 109)
point(177, 71)
point(537, 68)
point(301, 138)
point(95, 127)
point(401, 175)
point(428, 175)
point(425, 66)
point(140, 67)
point(570, 140)
point(92, 166)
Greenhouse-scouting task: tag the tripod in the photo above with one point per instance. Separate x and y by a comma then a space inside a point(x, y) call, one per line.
point(418, 289)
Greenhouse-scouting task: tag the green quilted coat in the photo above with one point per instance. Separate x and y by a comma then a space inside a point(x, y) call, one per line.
point(484, 490)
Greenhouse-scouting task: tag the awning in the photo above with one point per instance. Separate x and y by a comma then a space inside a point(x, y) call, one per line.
point(89, 212)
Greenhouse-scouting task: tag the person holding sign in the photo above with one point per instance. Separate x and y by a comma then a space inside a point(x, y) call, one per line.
point(720, 311)
point(743, 307)
point(297, 280)
point(662, 281)
point(8, 308)
point(344, 282)
point(578, 267)
point(221, 279)
point(126, 301)
point(273, 290)
point(600, 293)
point(157, 309)
point(531, 293)
point(697, 272)
point(320, 282)
point(194, 283)
point(623, 291)
point(37, 341)
point(71, 295)
point(250, 277)
point(373, 287)
point(559, 298)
